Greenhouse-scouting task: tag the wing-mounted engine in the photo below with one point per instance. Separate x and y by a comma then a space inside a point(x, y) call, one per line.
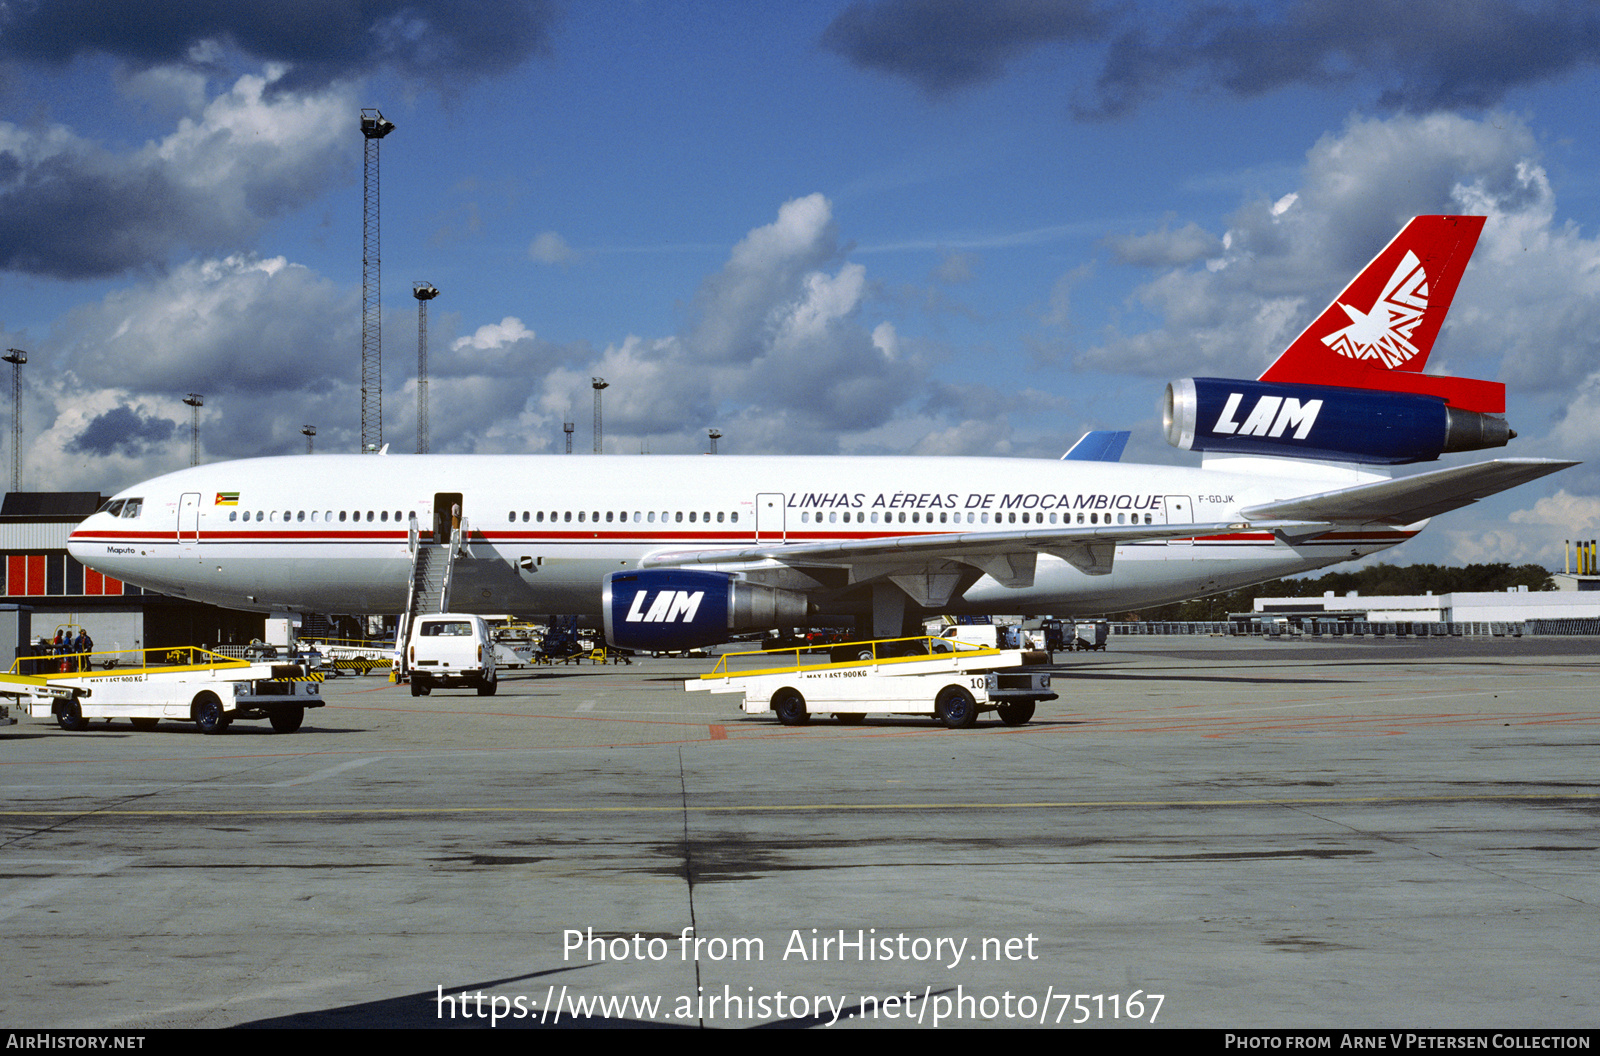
point(671, 609)
point(1322, 422)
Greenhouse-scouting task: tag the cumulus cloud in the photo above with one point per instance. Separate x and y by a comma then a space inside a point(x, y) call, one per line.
point(70, 208)
point(237, 324)
point(1279, 262)
point(779, 352)
point(323, 41)
point(1540, 534)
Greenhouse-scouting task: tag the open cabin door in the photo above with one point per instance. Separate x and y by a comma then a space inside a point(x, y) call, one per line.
point(447, 514)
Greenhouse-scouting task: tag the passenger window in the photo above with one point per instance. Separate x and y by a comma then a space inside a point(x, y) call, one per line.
point(735, 517)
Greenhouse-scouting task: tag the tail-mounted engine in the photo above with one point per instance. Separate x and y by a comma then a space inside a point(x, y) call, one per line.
point(1322, 422)
point(671, 609)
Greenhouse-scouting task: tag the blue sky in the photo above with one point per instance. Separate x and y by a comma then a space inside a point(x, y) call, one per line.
point(889, 226)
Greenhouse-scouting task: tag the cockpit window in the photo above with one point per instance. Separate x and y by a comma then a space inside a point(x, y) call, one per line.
point(114, 508)
point(131, 507)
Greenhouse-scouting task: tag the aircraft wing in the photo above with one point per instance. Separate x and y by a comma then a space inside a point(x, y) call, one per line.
point(935, 566)
point(1406, 500)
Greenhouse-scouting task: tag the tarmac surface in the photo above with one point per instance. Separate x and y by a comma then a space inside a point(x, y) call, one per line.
point(1199, 833)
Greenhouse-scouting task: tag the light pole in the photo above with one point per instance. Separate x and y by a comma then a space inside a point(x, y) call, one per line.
point(374, 126)
point(598, 384)
point(16, 357)
point(309, 431)
point(567, 427)
point(715, 436)
point(195, 402)
point(423, 292)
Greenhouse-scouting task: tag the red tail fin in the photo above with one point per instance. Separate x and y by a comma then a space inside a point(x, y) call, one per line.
point(1378, 333)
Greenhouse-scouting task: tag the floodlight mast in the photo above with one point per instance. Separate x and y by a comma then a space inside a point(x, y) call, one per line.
point(374, 126)
point(423, 292)
point(195, 402)
point(16, 357)
point(598, 384)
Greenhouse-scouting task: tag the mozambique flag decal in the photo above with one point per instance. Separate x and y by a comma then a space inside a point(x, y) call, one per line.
point(227, 498)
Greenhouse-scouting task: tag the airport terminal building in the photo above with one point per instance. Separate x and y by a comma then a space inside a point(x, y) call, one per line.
point(51, 590)
point(1573, 608)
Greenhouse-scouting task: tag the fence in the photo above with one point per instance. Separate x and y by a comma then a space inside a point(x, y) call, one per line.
point(1315, 627)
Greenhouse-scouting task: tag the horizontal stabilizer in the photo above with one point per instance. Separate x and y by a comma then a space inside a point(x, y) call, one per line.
point(1099, 445)
point(1406, 500)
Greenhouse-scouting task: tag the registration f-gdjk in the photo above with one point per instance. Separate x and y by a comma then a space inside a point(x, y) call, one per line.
point(670, 553)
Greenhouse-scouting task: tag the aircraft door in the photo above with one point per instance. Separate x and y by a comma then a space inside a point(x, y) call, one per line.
point(446, 514)
point(769, 518)
point(1179, 510)
point(188, 523)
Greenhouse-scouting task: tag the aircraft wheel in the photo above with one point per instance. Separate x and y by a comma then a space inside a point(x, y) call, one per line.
point(790, 707)
point(849, 718)
point(486, 689)
point(1016, 714)
point(287, 720)
point(207, 713)
point(69, 716)
point(956, 708)
point(145, 724)
point(420, 689)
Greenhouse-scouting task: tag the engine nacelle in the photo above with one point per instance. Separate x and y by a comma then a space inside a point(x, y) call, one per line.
point(1322, 422)
point(672, 609)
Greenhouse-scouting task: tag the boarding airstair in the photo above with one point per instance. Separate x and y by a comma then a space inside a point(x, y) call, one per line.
point(431, 565)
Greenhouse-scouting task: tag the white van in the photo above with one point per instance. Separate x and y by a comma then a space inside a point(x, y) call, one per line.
point(990, 635)
point(450, 649)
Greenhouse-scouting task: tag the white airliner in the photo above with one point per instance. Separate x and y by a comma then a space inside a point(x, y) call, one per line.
point(670, 552)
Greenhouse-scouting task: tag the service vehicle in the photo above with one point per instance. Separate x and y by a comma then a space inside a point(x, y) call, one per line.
point(952, 680)
point(1090, 634)
point(187, 684)
point(451, 650)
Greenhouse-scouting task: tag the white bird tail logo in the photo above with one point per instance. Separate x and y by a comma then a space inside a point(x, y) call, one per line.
point(1385, 331)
